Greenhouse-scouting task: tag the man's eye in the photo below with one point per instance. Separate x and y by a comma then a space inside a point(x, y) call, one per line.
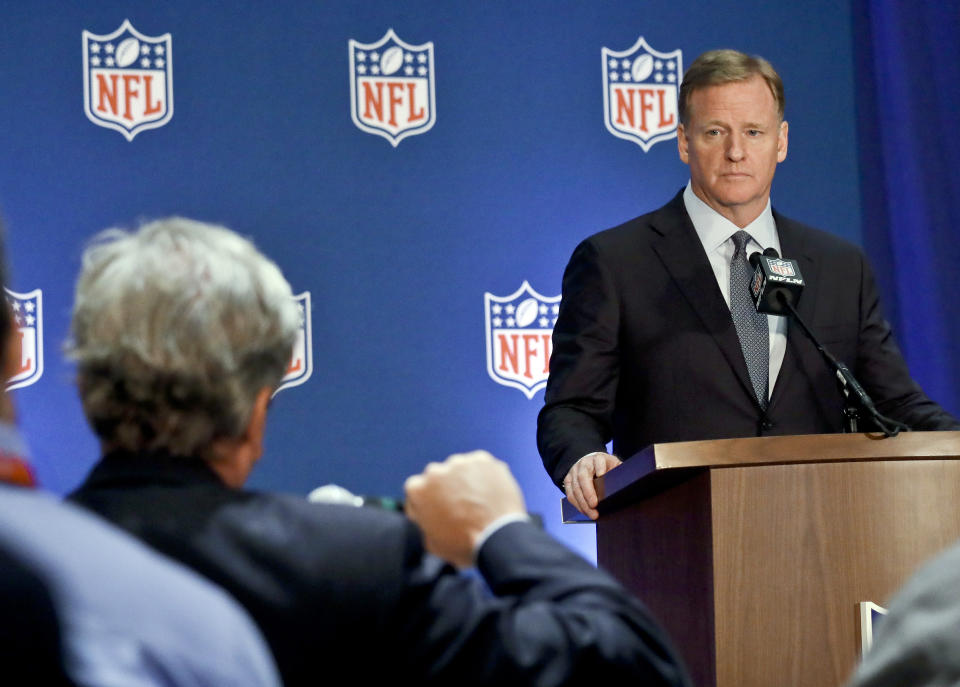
point(713, 132)
point(754, 132)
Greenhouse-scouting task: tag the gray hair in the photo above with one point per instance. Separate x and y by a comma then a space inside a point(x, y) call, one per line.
point(176, 327)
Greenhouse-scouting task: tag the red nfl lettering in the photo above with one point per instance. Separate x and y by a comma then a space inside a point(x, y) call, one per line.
point(108, 93)
point(296, 364)
point(627, 99)
point(373, 108)
point(537, 349)
point(131, 95)
point(26, 362)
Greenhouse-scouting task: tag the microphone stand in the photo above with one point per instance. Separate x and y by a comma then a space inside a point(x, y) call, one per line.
point(857, 399)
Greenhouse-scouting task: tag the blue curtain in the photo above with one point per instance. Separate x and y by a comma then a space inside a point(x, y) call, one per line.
point(908, 101)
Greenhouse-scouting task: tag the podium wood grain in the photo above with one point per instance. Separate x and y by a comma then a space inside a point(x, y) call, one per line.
point(756, 566)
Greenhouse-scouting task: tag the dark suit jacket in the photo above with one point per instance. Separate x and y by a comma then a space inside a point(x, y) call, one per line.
point(645, 351)
point(349, 592)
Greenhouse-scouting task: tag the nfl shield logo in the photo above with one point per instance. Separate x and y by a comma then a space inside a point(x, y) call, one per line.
point(301, 362)
point(28, 312)
point(640, 87)
point(392, 87)
point(519, 329)
point(127, 80)
point(781, 267)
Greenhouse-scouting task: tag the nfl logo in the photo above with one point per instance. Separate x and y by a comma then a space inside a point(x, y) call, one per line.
point(519, 329)
point(640, 87)
point(301, 362)
point(781, 267)
point(392, 87)
point(127, 80)
point(28, 312)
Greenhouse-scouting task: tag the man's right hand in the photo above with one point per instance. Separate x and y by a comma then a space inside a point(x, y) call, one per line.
point(579, 481)
point(453, 502)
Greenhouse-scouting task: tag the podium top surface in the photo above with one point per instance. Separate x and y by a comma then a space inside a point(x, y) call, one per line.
point(682, 456)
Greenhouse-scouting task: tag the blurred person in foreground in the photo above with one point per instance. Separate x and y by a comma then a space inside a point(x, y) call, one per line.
point(83, 603)
point(181, 333)
point(918, 641)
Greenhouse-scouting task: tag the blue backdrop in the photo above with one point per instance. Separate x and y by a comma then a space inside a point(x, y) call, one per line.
point(398, 241)
point(908, 68)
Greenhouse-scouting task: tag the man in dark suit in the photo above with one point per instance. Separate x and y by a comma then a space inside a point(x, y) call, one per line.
point(181, 333)
point(82, 603)
point(656, 340)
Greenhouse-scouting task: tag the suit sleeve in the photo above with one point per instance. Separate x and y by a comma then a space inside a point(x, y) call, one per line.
point(552, 619)
point(584, 366)
point(883, 372)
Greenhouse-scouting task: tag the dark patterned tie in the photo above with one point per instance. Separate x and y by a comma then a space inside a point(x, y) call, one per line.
point(751, 326)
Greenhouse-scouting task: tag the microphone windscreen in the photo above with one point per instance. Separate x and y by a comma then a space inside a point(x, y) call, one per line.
point(337, 495)
point(775, 281)
point(334, 493)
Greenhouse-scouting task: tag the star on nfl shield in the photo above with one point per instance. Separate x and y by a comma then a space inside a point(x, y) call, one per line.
point(640, 87)
point(519, 329)
point(392, 87)
point(127, 80)
point(301, 362)
point(28, 312)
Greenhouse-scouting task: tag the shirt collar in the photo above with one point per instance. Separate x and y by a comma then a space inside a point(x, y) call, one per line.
point(714, 229)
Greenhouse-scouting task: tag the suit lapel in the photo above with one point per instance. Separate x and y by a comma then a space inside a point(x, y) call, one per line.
point(679, 248)
point(793, 246)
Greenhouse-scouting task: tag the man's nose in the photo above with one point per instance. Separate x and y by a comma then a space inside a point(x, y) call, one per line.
point(735, 149)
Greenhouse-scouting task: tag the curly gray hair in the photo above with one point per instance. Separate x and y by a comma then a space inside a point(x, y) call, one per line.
point(176, 327)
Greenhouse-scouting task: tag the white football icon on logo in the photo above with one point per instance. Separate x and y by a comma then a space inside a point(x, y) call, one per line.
point(391, 61)
point(642, 68)
point(526, 312)
point(127, 52)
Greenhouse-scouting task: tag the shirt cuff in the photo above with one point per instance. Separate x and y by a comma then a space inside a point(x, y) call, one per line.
point(494, 526)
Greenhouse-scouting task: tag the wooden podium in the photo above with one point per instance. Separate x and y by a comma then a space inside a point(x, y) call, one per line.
point(754, 553)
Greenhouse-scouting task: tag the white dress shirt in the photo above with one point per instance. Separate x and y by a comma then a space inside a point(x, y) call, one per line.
point(715, 232)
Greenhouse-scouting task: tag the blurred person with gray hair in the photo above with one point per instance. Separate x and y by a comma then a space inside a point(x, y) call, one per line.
point(83, 603)
point(181, 333)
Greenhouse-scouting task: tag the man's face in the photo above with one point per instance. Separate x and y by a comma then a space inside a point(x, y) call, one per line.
point(733, 141)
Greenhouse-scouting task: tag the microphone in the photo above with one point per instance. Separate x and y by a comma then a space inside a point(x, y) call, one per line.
point(775, 288)
point(775, 280)
point(337, 495)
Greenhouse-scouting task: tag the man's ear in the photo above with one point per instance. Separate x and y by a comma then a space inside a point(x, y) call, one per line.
point(682, 143)
point(782, 141)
